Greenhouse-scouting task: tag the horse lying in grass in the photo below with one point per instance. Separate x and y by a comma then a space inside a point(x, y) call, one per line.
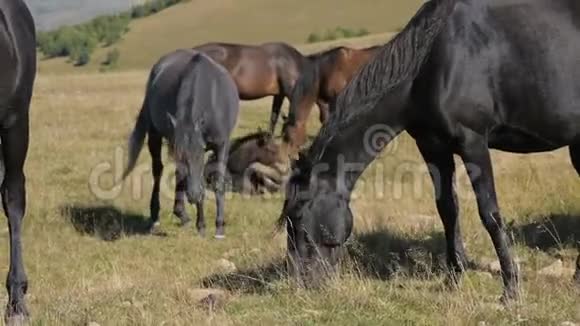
point(462, 77)
point(193, 103)
point(255, 165)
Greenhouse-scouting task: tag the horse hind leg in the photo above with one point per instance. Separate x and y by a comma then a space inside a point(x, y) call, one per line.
point(575, 158)
point(14, 149)
point(476, 156)
point(154, 143)
point(275, 113)
point(220, 189)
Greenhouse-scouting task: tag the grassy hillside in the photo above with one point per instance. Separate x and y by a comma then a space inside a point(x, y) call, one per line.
point(49, 14)
point(248, 21)
point(79, 127)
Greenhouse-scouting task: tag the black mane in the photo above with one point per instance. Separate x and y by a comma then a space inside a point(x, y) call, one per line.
point(399, 60)
point(244, 139)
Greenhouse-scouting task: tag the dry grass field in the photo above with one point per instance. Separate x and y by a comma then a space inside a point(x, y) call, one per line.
point(89, 260)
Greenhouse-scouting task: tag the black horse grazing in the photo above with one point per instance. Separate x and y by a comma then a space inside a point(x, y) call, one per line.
point(18, 71)
point(269, 69)
point(463, 76)
point(192, 102)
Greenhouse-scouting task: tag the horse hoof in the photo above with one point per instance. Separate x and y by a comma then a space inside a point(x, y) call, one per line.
point(201, 232)
point(154, 226)
point(185, 223)
point(220, 236)
point(509, 297)
point(17, 320)
point(155, 230)
point(16, 315)
point(452, 281)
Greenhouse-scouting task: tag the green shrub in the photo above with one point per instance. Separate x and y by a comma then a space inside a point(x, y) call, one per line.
point(138, 11)
point(112, 58)
point(330, 35)
point(362, 32)
point(79, 41)
point(313, 38)
point(81, 57)
point(337, 33)
point(152, 7)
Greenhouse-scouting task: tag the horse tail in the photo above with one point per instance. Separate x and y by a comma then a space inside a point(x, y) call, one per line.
point(137, 137)
point(399, 61)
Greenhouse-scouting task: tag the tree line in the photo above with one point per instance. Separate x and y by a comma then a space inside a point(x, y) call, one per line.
point(78, 42)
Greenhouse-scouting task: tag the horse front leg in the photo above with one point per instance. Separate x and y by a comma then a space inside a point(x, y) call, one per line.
point(154, 143)
point(442, 171)
point(14, 149)
point(475, 155)
point(179, 209)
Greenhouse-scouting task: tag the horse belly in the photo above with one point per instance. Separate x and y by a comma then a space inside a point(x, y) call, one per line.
point(510, 139)
point(254, 82)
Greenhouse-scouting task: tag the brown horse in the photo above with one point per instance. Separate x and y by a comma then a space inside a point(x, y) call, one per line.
point(327, 75)
point(269, 69)
point(255, 164)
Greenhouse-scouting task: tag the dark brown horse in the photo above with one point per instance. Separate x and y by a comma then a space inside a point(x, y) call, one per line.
point(255, 164)
point(18, 71)
point(328, 74)
point(269, 69)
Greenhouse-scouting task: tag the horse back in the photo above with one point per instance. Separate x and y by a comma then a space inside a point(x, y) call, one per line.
point(509, 68)
point(352, 60)
point(209, 96)
point(342, 64)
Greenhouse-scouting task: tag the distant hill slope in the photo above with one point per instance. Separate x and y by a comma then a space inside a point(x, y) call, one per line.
point(50, 14)
point(247, 21)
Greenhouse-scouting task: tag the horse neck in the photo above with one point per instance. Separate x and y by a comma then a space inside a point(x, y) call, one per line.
point(362, 57)
point(373, 49)
point(345, 148)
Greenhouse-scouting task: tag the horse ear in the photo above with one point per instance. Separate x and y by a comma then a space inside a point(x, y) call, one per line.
point(172, 120)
